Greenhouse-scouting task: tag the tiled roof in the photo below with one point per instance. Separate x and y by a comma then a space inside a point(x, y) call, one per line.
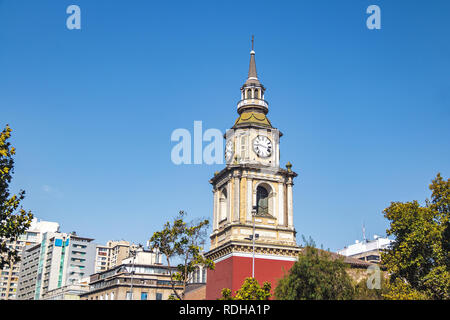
point(253, 117)
point(355, 263)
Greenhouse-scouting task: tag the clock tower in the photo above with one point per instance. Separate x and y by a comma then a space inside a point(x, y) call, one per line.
point(253, 231)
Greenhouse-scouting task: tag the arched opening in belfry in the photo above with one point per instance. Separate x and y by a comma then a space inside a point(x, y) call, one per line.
point(262, 200)
point(223, 203)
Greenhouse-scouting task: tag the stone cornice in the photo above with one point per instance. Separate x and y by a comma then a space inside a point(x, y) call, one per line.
point(244, 247)
point(225, 173)
point(258, 226)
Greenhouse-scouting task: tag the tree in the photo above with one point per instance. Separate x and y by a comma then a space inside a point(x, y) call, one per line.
point(315, 276)
point(184, 242)
point(418, 260)
point(250, 290)
point(14, 220)
point(362, 291)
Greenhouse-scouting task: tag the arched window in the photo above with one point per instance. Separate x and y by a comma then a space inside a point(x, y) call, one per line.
point(256, 94)
point(249, 94)
point(262, 200)
point(223, 205)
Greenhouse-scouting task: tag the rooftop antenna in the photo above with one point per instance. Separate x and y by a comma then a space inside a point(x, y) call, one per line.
point(364, 232)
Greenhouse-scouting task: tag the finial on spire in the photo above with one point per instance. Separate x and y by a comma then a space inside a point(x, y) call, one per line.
point(253, 42)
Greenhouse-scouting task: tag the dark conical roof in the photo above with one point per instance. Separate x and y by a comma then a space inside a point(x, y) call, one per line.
point(252, 74)
point(252, 69)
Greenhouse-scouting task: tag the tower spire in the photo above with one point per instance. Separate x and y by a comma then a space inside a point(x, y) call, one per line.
point(252, 94)
point(252, 74)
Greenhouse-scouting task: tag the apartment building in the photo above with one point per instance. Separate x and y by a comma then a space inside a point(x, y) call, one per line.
point(31, 256)
point(112, 254)
point(9, 276)
point(60, 259)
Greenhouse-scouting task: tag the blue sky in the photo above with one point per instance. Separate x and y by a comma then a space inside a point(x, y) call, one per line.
point(364, 113)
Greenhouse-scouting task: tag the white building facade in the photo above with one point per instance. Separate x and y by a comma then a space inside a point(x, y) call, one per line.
point(367, 250)
point(60, 259)
point(9, 277)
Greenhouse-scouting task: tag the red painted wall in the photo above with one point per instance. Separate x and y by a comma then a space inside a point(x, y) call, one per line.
point(231, 273)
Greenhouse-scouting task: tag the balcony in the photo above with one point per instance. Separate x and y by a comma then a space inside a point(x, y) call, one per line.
point(79, 253)
point(253, 102)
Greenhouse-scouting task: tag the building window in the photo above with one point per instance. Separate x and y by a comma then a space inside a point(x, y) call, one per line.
point(244, 149)
point(204, 276)
point(372, 258)
point(159, 296)
point(223, 204)
point(144, 296)
point(262, 200)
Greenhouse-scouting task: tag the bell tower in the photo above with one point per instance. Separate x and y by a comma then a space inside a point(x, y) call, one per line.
point(253, 231)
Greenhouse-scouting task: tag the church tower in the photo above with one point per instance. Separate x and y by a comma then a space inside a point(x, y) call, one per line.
point(253, 231)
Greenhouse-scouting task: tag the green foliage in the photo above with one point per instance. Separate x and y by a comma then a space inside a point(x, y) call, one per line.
point(182, 241)
point(315, 276)
point(14, 220)
point(250, 290)
point(362, 291)
point(226, 294)
point(418, 261)
point(309, 242)
point(401, 290)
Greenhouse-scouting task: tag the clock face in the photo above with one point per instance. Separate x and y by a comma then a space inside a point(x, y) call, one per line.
point(262, 146)
point(229, 150)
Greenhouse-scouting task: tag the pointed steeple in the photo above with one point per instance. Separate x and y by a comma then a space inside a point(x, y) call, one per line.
point(252, 107)
point(252, 69)
point(252, 74)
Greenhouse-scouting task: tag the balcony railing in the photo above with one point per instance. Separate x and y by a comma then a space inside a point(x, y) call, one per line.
point(254, 102)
